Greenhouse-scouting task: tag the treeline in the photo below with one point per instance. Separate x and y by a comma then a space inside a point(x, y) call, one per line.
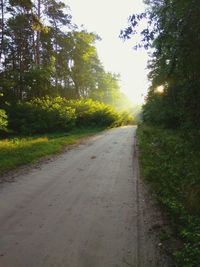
point(172, 35)
point(169, 137)
point(44, 54)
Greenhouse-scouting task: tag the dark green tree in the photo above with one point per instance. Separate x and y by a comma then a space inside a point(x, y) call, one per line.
point(173, 39)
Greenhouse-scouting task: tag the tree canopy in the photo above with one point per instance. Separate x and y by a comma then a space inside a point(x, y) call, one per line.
point(172, 37)
point(43, 53)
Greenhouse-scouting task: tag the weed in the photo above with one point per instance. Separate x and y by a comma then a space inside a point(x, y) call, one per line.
point(171, 164)
point(18, 151)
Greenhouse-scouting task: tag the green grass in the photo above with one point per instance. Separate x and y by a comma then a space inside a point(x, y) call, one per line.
point(23, 150)
point(170, 163)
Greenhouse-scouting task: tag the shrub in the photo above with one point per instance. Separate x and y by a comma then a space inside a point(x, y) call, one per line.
point(59, 114)
point(41, 116)
point(125, 118)
point(3, 121)
point(90, 112)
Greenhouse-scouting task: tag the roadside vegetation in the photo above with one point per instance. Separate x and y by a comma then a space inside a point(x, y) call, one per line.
point(44, 115)
point(169, 136)
point(53, 87)
point(18, 151)
point(170, 163)
point(45, 126)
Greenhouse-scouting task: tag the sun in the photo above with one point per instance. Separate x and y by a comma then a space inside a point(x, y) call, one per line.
point(160, 89)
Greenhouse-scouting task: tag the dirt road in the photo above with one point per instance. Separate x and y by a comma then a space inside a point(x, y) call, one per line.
point(85, 208)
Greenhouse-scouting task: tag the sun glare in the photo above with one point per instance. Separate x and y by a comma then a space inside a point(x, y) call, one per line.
point(107, 18)
point(160, 89)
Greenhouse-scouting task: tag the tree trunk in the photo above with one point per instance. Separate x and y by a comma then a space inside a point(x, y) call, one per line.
point(38, 35)
point(2, 29)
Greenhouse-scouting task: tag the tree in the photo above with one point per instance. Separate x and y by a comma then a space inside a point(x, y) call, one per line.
point(29, 57)
point(44, 54)
point(173, 39)
point(84, 62)
point(17, 48)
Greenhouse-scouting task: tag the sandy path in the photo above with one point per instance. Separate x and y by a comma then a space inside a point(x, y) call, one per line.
point(83, 209)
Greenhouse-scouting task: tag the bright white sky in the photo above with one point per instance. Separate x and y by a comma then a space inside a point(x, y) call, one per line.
point(107, 18)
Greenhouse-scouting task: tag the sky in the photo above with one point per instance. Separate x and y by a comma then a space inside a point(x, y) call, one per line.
point(107, 18)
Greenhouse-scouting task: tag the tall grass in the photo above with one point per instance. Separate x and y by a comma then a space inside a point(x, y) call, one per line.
point(18, 151)
point(170, 162)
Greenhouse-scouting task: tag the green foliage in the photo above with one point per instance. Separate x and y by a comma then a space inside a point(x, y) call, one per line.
point(3, 121)
point(170, 159)
point(171, 164)
point(159, 111)
point(41, 116)
point(18, 151)
point(44, 115)
point(125, 118)
point(50, 115)
point(172, 31)
point(45, 54)
point(90, 112)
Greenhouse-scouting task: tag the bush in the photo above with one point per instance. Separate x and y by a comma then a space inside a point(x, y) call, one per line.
point(90, 112)
point(59, 114)
point(125, 118)
point(41, 116)
point(3, 121)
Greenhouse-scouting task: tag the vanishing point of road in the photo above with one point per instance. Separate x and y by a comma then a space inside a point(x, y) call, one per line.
point(80, 209)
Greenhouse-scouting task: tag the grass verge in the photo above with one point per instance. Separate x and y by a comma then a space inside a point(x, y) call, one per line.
point(170, 162)
point(23, 150)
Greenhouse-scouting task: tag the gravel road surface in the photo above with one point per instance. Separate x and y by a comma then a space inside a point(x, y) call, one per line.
point(84, 208)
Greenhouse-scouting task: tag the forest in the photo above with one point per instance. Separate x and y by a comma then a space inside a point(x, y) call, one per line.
point(169, 136)
point(53, 83)
point(46, 61)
